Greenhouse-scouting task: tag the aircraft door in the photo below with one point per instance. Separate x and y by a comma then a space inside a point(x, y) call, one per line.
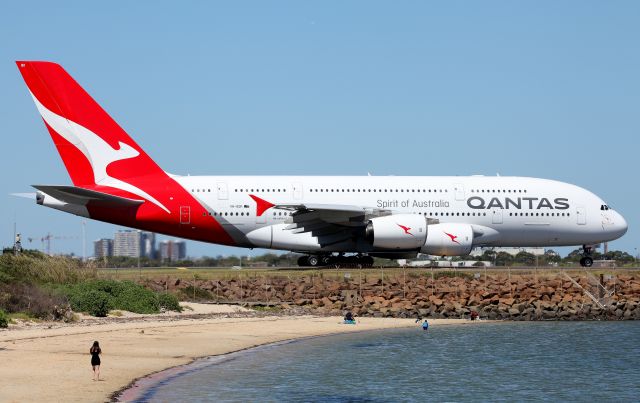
point(496, 217)
point(459, 191)
point(297, 191)
point(185, 214)
point(581, 215)
point(223, 194)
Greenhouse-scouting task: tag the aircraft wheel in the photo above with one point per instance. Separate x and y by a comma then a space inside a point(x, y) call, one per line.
point(367, 261)
point(586, 261)
point(326, 260)
point(314, 261)
point(303, 261)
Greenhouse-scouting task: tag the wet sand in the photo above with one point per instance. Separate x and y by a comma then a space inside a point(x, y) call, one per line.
point(53, 364)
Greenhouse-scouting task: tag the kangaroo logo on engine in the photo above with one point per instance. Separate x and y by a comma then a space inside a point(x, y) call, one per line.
point(405, 229)
point(453, 237)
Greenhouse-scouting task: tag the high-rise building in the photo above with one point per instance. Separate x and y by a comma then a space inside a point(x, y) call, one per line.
point(173, 250)
point(131, 243)
point(148, 241)
point(127, 243)
point(103, 248)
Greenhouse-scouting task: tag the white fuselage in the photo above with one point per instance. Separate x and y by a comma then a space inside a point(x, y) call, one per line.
point(519, 211)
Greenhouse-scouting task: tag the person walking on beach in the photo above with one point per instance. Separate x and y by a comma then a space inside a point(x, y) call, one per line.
point(95, 351)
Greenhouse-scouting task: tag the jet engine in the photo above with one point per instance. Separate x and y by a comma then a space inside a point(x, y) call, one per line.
point(401, 231)
point(449, 239)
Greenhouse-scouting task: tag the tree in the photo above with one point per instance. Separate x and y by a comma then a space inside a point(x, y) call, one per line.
point(551, 256)
point(503, 259)
point(488, 255)
point(525, 258)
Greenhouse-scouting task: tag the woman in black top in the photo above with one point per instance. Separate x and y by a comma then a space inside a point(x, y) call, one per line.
point(95, 360)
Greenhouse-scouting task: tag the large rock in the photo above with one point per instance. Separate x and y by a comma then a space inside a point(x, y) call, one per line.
point(506, 301)
point(436, 301)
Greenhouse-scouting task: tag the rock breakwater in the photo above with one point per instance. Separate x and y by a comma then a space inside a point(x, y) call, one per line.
point(549, 296)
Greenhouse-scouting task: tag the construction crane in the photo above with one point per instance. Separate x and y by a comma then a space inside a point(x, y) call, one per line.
point(48, 238)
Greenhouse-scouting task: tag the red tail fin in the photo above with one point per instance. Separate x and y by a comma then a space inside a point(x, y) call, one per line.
point(87, 138)
point(102, 158)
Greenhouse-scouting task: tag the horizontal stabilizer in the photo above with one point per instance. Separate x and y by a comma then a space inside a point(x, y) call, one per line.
point(80, 196)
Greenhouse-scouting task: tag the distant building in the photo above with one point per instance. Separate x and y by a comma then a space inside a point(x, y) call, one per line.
point(148, 242)
point(173, 250)
point(103, 248)
point(511, 251)
point(131, 243)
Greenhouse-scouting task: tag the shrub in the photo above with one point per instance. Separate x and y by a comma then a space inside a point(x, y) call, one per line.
point(124, 295)
point(36, 301)
point(4, 321)
point(169, 302)
point(135, 298)
point(94, 302)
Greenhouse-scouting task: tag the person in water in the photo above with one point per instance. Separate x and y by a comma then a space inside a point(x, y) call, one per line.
point(95, 351)
point(425, 325)
point(349, 317)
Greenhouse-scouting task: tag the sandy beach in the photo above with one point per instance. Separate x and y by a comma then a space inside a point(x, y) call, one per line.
point(50, 362)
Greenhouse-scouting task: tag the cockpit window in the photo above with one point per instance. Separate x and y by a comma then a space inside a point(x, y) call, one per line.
point(604, 207)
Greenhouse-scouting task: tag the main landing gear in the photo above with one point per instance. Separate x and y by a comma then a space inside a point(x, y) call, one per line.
point(335, 260)
point(586, 260)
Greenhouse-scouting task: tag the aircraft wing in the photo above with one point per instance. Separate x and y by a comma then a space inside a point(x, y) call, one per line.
point(331, 223)
point(82, 197)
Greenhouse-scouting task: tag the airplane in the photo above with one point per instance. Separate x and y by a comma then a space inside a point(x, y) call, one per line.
point(328, 219)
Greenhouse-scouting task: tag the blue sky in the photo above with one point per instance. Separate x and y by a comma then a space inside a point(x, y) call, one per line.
point(543, 89)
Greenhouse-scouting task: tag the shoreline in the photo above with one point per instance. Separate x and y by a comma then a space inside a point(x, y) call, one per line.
point(130, 393)
point(44, 362)
point(148, 382)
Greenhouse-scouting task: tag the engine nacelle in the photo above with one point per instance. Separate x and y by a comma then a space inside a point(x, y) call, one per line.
point(450, 239)
point(400, 231)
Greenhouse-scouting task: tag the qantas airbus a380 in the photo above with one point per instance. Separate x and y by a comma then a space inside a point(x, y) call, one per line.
point(330, 219)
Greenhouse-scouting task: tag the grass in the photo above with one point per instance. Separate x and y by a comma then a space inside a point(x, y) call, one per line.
point(22, 316)
point(44, 269)
point(266, 308)
point(206, 274)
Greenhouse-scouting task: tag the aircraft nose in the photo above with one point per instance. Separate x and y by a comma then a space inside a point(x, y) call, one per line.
point(620, 225)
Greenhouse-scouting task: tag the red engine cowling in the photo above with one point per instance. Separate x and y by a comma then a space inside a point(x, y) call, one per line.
point(400, 231)
point(449, 239)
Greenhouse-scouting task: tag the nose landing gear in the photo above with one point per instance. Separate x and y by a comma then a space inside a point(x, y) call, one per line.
point(587, 259)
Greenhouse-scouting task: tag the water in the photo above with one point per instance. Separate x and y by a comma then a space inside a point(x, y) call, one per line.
point(574, 361)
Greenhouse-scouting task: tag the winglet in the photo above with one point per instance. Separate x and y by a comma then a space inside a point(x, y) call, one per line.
point(261, 205)
point(25, 195)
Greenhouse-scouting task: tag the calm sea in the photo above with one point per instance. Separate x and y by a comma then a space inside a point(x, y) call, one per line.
point(552, 361)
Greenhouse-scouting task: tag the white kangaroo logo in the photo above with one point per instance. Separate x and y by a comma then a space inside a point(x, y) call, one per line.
point(97, 151)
